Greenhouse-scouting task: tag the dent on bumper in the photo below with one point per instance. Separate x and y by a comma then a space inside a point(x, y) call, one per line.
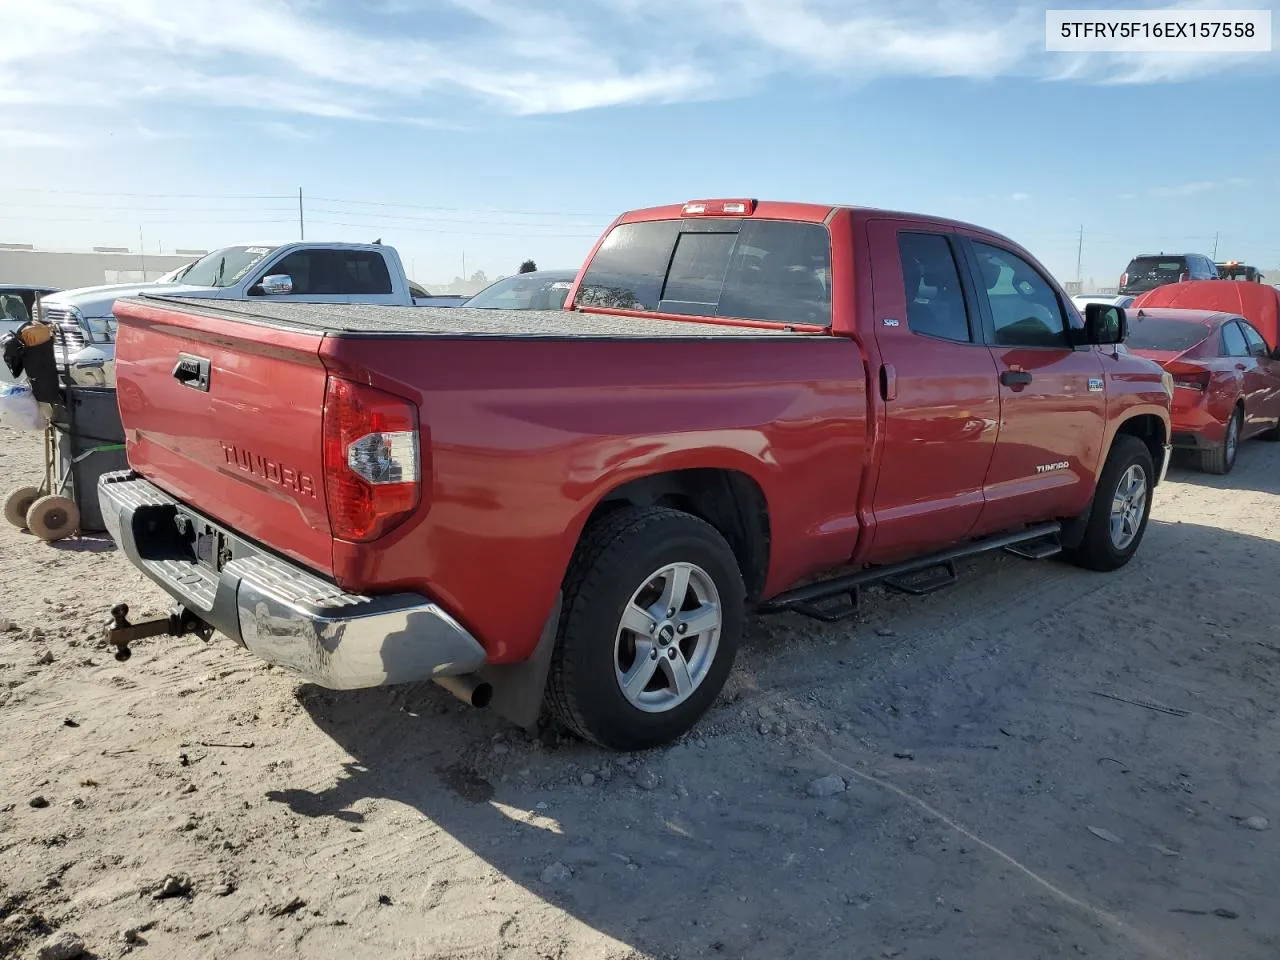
point(287, 615)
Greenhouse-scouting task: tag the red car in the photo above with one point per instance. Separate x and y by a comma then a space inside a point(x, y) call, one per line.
point(1226, 379)
point(1256, 302)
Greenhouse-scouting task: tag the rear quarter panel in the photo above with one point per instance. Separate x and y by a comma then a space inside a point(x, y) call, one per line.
point(523, 438)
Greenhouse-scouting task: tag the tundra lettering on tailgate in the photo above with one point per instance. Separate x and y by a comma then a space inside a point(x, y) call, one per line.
point(269, 470)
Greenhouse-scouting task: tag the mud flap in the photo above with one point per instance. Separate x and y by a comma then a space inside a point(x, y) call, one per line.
point(1072, 533)
point(518, 687)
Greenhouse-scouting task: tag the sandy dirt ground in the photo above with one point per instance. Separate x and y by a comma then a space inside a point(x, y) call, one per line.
point(1041, 762)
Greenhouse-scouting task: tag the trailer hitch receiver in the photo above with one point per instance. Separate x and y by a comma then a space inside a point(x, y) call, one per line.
point(119, 632)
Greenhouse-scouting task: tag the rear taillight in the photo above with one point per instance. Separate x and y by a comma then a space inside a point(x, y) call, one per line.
point(372, 471)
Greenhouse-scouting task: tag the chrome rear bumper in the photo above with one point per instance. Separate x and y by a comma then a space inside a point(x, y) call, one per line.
point(281, 612)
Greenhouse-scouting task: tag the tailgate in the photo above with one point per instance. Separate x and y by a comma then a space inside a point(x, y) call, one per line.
point(226, 415)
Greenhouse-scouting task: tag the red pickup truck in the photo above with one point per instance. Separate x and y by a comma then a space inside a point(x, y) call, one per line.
point(583, 505)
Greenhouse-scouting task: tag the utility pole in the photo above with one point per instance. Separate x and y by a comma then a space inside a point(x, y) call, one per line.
point(302, 231)
point(1215, 246)
point(142, 254)
point(464, 265)
point(1080, 255)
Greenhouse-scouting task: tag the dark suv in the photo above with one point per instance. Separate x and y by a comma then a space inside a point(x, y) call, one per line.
point(1148, 271)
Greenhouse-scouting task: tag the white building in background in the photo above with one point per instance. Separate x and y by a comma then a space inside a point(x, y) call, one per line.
point(67, 270)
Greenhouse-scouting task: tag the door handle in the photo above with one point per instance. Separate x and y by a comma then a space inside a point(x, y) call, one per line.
point(192, 371)
point(1240, 366)
point(888, 382)
point(1015, 378)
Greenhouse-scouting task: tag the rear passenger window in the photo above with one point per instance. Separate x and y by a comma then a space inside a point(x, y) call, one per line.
point(754, 270)
point(1233, 342)
point(336, 272)
point(1024, 307)
point(931, 282)
point(1257, 346)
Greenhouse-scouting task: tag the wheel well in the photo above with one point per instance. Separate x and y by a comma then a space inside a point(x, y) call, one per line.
point(729, 500)
point(1150, 430)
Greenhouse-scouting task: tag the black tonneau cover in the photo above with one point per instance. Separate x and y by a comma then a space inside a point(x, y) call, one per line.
point(375, 319)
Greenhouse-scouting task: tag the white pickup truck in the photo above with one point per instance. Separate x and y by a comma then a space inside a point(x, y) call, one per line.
point(301, 272)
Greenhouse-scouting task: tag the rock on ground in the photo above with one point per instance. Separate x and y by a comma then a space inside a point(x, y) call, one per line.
point(62, 946)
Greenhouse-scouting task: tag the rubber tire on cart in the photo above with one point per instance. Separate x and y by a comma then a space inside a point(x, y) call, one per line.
point(1221, 458)
point(1098, 549)
point(620, 559)
point(18, 503)
point(53, 518)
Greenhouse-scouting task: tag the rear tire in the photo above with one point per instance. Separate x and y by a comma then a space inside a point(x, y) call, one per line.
point(1121, 508)
point(631, 689)
point(18, 503)
point(1222, 457)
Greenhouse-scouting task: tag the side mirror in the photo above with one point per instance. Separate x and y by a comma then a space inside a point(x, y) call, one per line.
point(1275, 354)
point(277, 284)
point(1105, 325)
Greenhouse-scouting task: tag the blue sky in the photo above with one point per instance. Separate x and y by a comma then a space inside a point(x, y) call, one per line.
point(505, 130)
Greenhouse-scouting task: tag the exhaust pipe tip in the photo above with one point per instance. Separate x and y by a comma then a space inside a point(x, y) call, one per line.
point(468, 688)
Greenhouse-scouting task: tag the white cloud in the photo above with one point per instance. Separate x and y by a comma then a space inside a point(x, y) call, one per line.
point(397, 58)
point(284, 131)
point(1019, 197)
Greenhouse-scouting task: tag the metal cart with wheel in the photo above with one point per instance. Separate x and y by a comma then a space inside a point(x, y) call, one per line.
point(83, 439)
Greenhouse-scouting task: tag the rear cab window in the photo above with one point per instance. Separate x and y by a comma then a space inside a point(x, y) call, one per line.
point(1162, 333)
point(1147, 273)
point(772, 270)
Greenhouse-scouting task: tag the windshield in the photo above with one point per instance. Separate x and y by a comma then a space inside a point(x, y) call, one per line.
point(1237, 272)
point(13, 308)
point(1147, 273)
point(523, 292)
point(224, 267)
point(1154, 333)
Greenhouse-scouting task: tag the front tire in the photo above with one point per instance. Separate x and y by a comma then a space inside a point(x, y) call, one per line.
point(1121, 508)
point(654, 608)
point(1221, 458)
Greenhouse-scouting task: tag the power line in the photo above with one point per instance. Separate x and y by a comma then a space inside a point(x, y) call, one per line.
point(458, 233)
point(130, 208)
point(420, 219)
point(416, 206)
point(161, 196)
point(128, 219)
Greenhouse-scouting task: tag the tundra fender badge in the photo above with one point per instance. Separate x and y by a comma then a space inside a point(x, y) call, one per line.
point(1050, 467)
point(1095, 384)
